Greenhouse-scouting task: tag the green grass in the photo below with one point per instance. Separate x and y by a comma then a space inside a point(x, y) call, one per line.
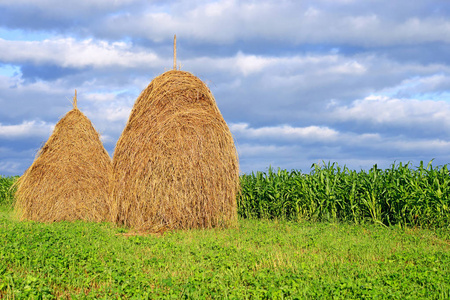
point(331, 234)
point(261, 259)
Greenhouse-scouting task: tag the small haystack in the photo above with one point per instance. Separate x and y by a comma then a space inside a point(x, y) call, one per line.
point(175, 165)
point(69, 179)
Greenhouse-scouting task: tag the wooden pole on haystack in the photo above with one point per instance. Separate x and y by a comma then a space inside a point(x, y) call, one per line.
point(175, 52)
point(75, 100)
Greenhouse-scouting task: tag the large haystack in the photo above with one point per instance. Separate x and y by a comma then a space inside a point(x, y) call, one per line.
point(69, 179)
point(175, 165)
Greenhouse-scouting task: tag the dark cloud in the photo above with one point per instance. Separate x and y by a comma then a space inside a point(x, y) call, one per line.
point(357, 82)
point(61, 16)
point(220, 23)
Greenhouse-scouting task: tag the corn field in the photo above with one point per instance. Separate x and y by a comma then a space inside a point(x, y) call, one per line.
point(401, 195)
point(6, 192)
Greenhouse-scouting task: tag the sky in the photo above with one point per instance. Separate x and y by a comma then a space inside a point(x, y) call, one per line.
point(298, 82)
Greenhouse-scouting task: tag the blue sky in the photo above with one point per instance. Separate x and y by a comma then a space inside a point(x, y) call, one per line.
point(348, 81)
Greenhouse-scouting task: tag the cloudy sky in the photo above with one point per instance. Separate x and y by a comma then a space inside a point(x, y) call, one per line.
point(347, 81)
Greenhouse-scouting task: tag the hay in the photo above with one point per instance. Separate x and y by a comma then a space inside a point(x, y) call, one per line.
point(175, 165)
point(69, 179)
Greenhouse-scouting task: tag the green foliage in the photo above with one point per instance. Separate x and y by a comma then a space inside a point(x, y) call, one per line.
point(400, 195)
point(6, 191)
point(261, 259)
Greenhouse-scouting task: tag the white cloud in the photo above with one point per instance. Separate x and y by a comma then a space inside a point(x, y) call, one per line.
point(420, 86)
point(248, 64)
point(99, 97)
point(120, 113)
point(26, 129)
point(391, 111)
point(283, 68)
point(436, 146)
point(320, 135)
point(281, 138)
point(241, 63)
point(310, 133)
point(69, 52)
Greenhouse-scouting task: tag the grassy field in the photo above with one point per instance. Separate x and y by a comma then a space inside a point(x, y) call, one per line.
point(261, 259)
point(327, 246)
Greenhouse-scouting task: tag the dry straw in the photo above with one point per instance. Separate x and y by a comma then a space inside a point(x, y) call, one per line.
point(175, 165)
point(69, 178)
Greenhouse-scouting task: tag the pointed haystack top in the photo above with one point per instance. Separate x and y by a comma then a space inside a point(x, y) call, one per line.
point(69, 178)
